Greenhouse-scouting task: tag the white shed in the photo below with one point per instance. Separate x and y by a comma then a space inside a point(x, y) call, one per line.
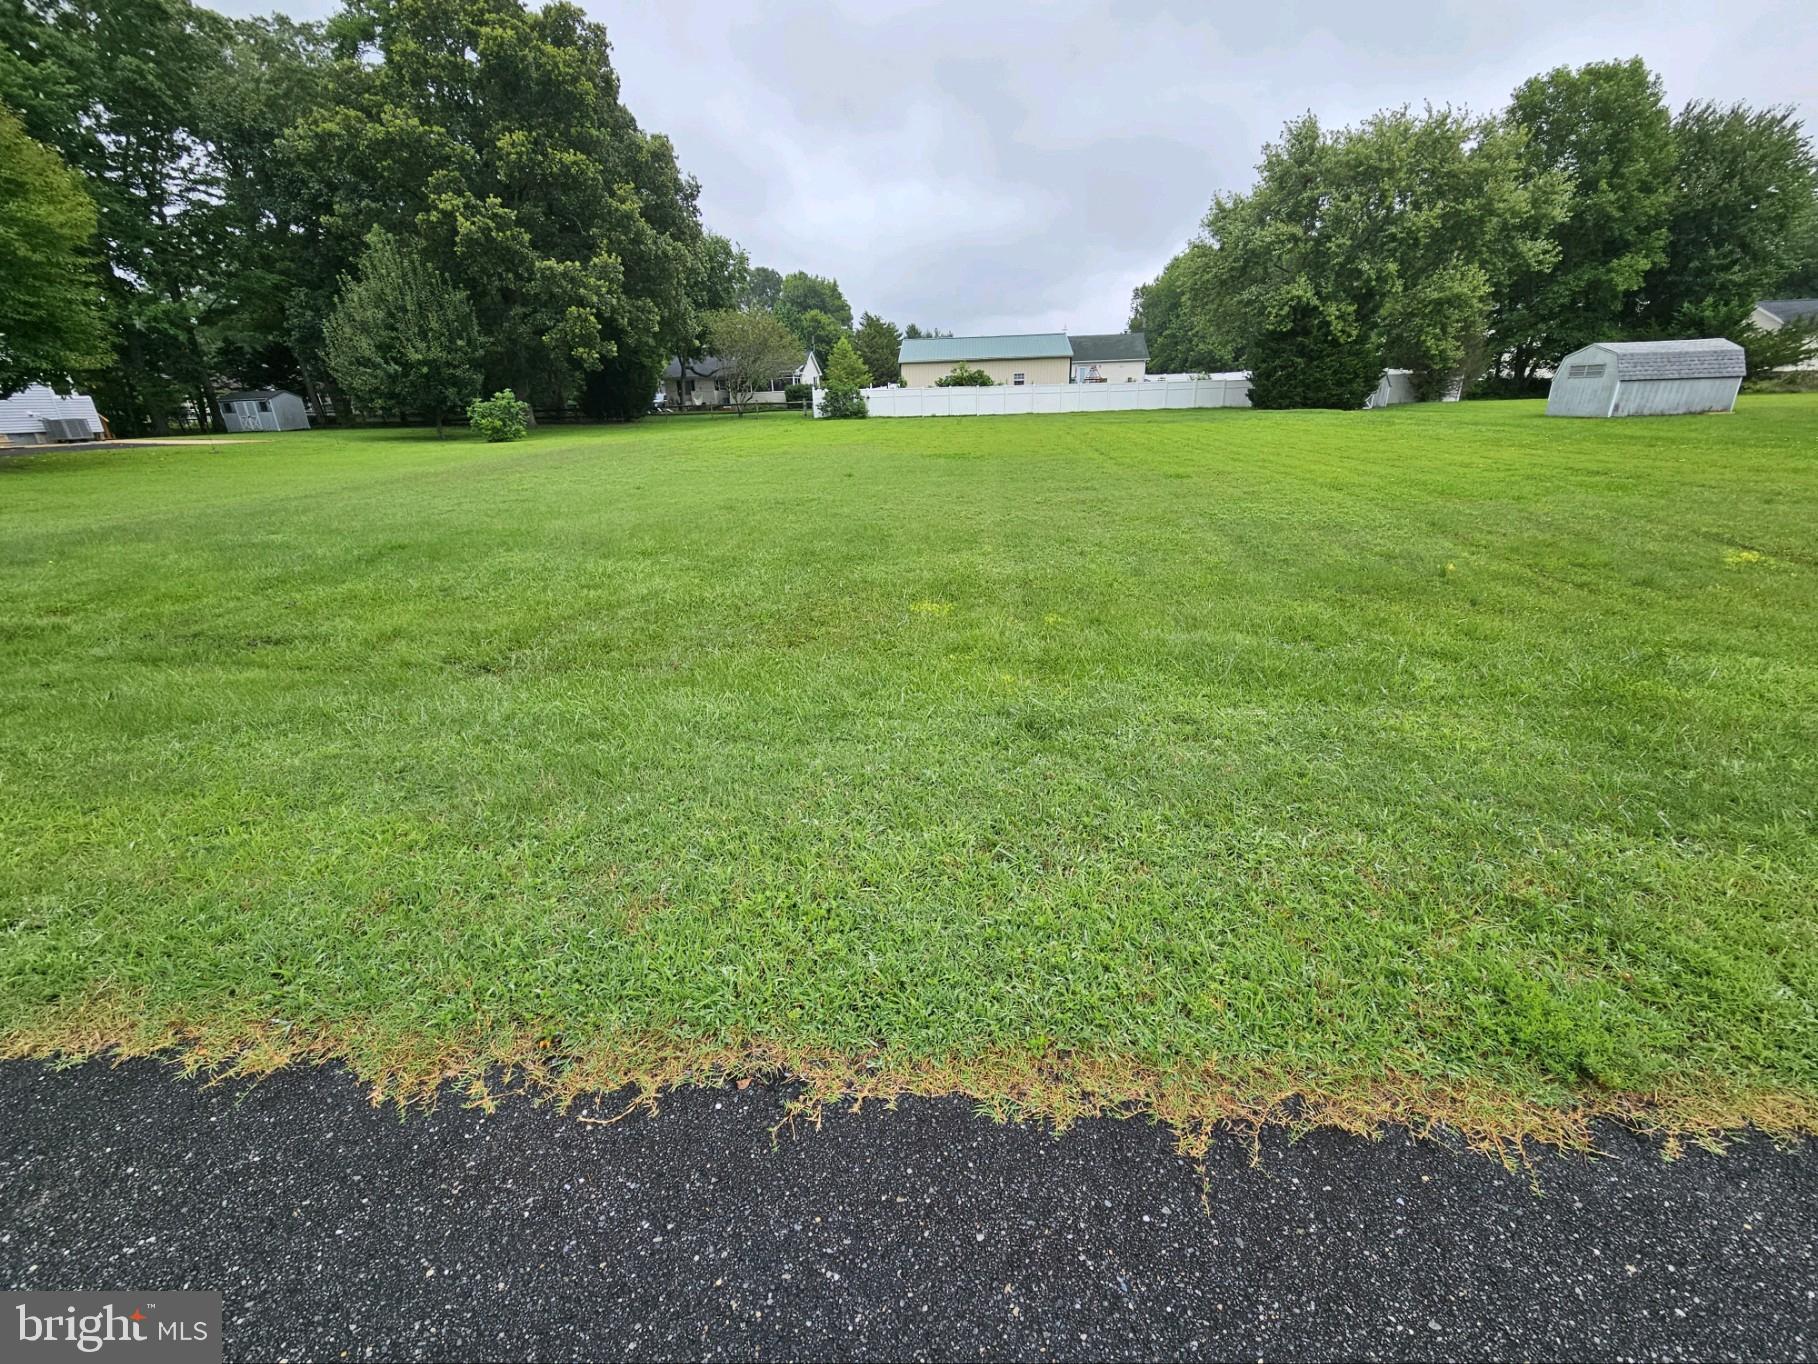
point(1647, 379)
point(39, 415)
point(264, 409)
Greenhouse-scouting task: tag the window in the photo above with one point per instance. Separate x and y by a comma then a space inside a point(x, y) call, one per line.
point(264, 407)
point(1019, 378)
point(1585, 372)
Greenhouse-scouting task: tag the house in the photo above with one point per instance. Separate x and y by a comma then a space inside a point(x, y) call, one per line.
point(1647, 378)
point(263, 409)
point(38, 415)
point(699, 383)
point(1032, 358)
point(1110, 358)
point(1771, 314)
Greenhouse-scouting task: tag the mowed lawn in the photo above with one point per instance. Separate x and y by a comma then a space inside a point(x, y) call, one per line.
point(1436, 762)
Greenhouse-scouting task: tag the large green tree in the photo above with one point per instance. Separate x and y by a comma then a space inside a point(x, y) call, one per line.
point(1604, 128)
point(763, 288)
point(279, 268)
point(116, 87)
point(1160, 312)
point(401, 337)
point(50, 319)
point(1395, 236)
point(1742, 197)
point(880, 346)
point(814, 309)
point(495, 134)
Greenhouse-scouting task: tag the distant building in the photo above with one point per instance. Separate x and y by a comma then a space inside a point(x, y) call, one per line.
point(39, 415)
point(1029, 358)
point(1647, 379)
point(701, 383)
point(1111, 358)
point(1771, 314)
point(264, 409)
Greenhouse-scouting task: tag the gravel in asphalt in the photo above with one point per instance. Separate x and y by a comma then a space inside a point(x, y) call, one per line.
point(336, 1230)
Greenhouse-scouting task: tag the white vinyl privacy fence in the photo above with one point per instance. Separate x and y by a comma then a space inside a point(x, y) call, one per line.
point(1005, 399)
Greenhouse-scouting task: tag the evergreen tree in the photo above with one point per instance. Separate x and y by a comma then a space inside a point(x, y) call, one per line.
point(1305, 357)
point(880, 347)
point(402, 337)
point(845, 368)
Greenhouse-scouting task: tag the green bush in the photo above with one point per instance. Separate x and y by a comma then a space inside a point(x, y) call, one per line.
point(797, 394)
point(844, 403)
point(964, 376)
point(1302, 360)
point(500, 417)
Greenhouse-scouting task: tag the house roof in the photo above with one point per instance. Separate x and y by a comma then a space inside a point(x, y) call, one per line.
point(1789, 309)
point(252, 395)
point(955, 349)
point(706, 366)
point(1111, 346)
point(1708, 358)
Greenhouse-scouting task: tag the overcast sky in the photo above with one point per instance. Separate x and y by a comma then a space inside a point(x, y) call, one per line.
point(994, 168)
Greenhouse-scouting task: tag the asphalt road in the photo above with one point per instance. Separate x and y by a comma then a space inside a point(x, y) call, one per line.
point(339, 1231)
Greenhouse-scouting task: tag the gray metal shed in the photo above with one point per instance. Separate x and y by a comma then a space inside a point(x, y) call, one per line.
point(1647, 378)
point(264, 409)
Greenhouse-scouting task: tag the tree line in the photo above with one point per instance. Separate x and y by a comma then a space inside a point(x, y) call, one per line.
point(407, 205)
point(1482, 249)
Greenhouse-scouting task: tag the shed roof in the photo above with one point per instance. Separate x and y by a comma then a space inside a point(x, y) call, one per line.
point(1111, 346)
point(1789, 309)
point(1707, 358)
point(954, 349)
point(250, 395)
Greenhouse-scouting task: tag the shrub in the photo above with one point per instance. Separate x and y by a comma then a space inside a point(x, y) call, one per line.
point(844, 403)
point(797, 394)
point(1302, 360)
point(964, 376)
point(500, 417)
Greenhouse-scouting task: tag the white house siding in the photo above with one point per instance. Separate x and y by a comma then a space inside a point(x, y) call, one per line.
point(1767, 322)
point(22, 415)
point(1109, 371)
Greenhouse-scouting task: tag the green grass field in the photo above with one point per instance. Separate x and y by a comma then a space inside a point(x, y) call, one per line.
point(1445, 763)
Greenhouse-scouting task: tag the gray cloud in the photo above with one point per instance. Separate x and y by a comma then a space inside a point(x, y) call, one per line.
point(995, 168)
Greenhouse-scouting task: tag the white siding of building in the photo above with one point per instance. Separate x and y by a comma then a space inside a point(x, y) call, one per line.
point(1591, 383)
point(1109, 371)
point(22, 415)
point(280, 412)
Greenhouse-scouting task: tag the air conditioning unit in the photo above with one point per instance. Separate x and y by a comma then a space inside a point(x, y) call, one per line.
point(67, 428)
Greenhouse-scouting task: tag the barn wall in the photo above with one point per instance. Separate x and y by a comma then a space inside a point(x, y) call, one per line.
point(292, 411)
point(1670, 397)
point(1584, 396)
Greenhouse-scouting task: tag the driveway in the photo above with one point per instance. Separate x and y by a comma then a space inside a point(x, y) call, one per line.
point(339, 1231)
